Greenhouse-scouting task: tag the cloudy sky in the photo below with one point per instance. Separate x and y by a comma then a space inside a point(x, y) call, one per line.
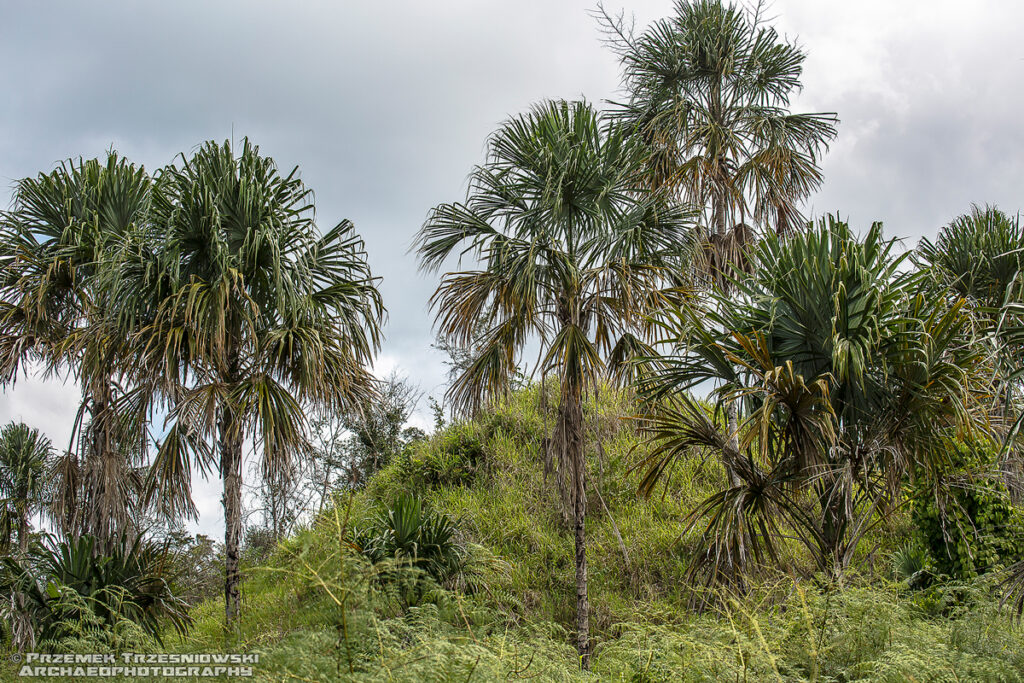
point(385, 107)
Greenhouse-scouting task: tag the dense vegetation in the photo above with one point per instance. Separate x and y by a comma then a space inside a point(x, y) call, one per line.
point(753, 446)
point(490, 591)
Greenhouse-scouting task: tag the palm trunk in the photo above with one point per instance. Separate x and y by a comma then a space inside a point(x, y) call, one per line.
point(570, 431)
point(231, 474)
point(731, 410)
point(739, 563)
point(719, 213)
point(836, 504)
point(579, 529)
point(23, 532)
point(103, 476)
point(719, 197)
point(106, 510)
point(733, 425)
point(22, 632)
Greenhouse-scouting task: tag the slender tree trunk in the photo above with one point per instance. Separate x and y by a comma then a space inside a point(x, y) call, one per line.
point(732, 411)
point(231, 474)
point(22, 632)
point(23, 531)
point(732, 416)
point(733, 425)
point(836, 504)
point(106, 509)
point(582, 601)
point(570, 433)
point(719, 212)
point(719, 197)
point(98, 479)
point(323, 494)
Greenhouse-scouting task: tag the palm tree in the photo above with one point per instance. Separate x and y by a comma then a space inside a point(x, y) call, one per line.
point(848, 375)
point(257, 316)
point(709, 90)
point(570, 253)
point(979, 256)
point(25, 459)
point(55, 309)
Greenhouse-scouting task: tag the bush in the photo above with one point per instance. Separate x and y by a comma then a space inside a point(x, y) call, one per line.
point(259, 542)
point(415, 550)
point(966, 519)
point(198, 567)
point(912, 566)
point(65, 590)
point(452, 459)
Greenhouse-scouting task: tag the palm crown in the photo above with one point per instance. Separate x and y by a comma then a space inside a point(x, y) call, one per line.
point(25, 459)
point(850, 378)
point(569, 246)
point(59, 237)
point(709, 90)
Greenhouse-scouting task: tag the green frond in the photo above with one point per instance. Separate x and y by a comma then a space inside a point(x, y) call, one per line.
point(572, 247)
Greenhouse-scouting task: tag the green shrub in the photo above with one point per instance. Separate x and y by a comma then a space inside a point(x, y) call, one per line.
point(66, 590)
point(414, 549)
point(912, 566)
point(76, 623)
point(964, 514)
point(453, 458)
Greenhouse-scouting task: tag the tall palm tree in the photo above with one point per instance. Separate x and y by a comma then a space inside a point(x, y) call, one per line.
point(570, 251)
point(849, 376)
point(709, 91)
point(257, 317)
point(25, 460)
point(55, 309)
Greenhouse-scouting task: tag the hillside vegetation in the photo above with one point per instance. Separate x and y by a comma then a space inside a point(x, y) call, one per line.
point(319, 610)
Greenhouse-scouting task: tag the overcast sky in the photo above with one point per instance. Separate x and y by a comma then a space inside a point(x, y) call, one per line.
point(385, 107)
